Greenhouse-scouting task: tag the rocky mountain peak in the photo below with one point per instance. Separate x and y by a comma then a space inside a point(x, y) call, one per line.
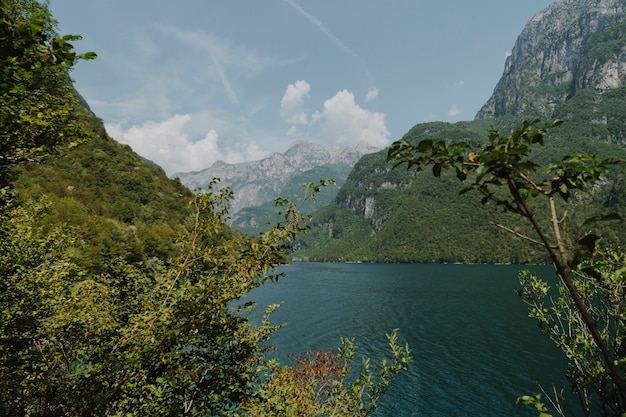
point(307, 155)
point(569, 46)
point(258, 182)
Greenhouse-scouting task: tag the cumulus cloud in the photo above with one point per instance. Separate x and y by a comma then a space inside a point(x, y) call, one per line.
point(293, 131)
point(167, 144)
point(344, 121)
point(253, 152)
point(371, 95)
point(454, 111)
point(291, 103)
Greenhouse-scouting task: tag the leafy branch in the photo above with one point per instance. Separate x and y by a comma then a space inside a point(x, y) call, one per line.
point(504, 173)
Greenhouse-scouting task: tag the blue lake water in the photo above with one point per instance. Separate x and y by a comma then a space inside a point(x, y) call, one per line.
point(474, 348)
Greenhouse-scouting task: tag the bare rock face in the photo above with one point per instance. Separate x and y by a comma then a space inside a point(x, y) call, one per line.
point(258, 182)
point(569, 46)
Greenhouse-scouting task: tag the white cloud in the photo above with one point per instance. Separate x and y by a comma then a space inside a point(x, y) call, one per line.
point(346, 122)
point(371, 95)
point(290, 105)
point(253, 152)
point(293, 131)
point(167, 144)
point(461, 84)
point(454, 111)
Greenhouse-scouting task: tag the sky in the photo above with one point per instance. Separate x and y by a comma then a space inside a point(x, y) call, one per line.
point(186, 83)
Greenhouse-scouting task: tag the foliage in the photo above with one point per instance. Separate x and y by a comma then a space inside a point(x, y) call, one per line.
point(594, 115)
point(164, 337)
point(37, 107)
point(319, 384)
point(504, 173)
point(601, 281)
point(528, 401)
point(154, 339)
point(116, 203)
point(416, 218)
point(111, 305)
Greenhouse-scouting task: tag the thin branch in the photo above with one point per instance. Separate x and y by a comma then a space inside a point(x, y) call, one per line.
point(519, 235)
point(557, 231)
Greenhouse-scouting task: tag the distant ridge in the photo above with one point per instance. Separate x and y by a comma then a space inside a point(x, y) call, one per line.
point(258, 182)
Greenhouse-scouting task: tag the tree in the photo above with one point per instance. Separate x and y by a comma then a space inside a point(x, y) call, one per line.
point(601, 283)
point(319, 384)
point(37, 103)
point(503, 172)
point(132, 337)
point(160, 338)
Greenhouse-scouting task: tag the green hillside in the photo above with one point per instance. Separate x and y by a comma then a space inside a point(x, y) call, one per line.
point(566, 64)
point(123, 205)
point(120, 204)
point(419, 218)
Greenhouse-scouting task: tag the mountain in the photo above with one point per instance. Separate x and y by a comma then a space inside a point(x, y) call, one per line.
point(259, 183)
point(254, 219)
point(571, 46)
point(569, 62)
point(119, 204)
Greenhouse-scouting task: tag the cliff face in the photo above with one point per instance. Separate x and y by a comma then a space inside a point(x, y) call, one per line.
point(258, 182)
point(569, 63)
point(570, 46)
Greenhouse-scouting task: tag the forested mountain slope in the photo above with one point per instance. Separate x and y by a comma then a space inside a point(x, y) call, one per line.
point(122, 205)
point(568, 64)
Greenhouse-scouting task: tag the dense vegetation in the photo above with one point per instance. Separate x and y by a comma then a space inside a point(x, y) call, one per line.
point(587, 318)
point(121, 205)
point(416, 218)
point(119, 289)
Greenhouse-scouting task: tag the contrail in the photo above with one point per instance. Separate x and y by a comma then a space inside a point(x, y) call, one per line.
point(308, 16)
point(321, 27)
point(232, 96)
point(201, 40)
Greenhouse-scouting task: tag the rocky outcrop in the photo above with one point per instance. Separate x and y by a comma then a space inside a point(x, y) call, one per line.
point(258, 182)
point(569, 63)
point(569, 46)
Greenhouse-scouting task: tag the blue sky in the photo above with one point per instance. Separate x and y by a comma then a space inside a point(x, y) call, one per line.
point(190, 82)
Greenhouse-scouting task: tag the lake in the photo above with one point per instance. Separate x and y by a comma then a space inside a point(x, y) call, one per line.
point(474, 348)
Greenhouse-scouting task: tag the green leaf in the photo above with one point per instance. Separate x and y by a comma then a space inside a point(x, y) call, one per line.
point(602, 218)
point(589, 242)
